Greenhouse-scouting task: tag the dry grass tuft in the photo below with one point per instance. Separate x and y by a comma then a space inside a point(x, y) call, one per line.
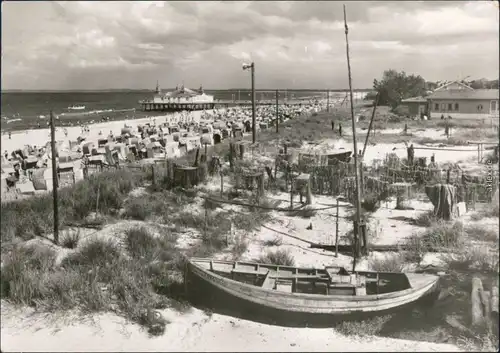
point(481, 233)
point(491, 211)
point(276, 241)
point(278, 257)
point(473, 258)
point(70, 239)
point(369, 327)
point(425, 219)
point(389, 263)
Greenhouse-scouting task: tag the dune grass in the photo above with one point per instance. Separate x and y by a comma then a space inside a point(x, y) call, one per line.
point(96, 277)
point(277, 257)
point(388, 263)
point(101, 193)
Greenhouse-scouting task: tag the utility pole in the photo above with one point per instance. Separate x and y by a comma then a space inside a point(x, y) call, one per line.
point(277, 116)
point(252, 70)
point(254, 130)
point(357, 225)
point(54, 177)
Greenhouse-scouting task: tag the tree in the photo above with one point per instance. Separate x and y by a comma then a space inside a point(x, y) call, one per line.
point(396, 86)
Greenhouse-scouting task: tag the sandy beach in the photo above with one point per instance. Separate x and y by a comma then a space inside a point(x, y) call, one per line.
point(41, 137)
point(190, 332)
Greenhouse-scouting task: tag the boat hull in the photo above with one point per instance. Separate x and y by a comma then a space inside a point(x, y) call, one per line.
point(286, 309)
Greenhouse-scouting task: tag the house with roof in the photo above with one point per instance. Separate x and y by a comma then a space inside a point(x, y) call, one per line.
point(457, 100)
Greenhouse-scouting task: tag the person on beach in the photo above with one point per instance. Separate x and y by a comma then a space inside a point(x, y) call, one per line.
point(65, 132)
point(10, 135)
point(340, 130)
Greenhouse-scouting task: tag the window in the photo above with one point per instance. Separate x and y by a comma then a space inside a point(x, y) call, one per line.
point(450, 106)
point(443, 107)
point(480, 107)
point(456, 106)
point(436, 106)
point(494, 106)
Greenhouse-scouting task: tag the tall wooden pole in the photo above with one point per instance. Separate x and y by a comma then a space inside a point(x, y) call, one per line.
point(54, 177)
point(254, 130)
point(355, 146)
point(328, 100)
point(277, 112)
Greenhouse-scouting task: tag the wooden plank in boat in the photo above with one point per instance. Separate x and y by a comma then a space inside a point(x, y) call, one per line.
point(245, 272)
point(269, 282)
point(284, 287)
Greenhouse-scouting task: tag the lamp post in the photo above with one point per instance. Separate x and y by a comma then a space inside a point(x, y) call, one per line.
point(252, 70)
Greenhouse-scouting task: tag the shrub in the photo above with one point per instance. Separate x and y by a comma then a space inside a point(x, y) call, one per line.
point(444, 234)
point(70, 239)
point(394, 263)
point(138, 208)
point(142, 245)
point(95, 252)
point(278, 257)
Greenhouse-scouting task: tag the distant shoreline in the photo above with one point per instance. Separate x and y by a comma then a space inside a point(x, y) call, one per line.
point(121, 90)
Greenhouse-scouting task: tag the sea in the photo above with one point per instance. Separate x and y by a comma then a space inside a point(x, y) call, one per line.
point(31, 110)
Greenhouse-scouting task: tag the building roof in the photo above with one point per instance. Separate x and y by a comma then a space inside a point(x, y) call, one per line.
point(456, 83)
point(183, 93)
point(478, 94)
point(418, 99)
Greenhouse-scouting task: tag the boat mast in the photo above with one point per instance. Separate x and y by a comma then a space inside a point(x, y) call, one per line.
point(356, 171)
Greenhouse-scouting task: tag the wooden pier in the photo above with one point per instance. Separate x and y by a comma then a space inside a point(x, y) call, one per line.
point(217, 104)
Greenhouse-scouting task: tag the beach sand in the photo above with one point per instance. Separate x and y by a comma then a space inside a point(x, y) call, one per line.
point(24, 330)
point(40, 137)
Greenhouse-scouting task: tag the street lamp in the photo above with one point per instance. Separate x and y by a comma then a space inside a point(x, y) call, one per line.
point(252, 70)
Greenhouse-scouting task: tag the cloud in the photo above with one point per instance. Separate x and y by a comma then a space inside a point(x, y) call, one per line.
point(93, 44)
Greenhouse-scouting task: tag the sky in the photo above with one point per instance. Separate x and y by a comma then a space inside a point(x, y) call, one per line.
point(60, 45)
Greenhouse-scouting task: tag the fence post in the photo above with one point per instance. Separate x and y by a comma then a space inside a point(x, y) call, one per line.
point(337, 230)
point(153, 176)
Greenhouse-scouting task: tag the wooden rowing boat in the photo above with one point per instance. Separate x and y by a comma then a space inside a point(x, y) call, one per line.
point(303, 295)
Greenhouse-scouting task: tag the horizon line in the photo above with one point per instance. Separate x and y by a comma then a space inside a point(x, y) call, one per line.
point(166, 89)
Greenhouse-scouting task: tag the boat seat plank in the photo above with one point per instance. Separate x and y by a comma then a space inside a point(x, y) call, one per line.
point(298, 277)
point(269, 282)
point(261, 272)
point(341, 285)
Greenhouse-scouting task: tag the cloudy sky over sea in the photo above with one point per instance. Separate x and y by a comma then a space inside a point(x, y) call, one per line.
point(98, 45)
